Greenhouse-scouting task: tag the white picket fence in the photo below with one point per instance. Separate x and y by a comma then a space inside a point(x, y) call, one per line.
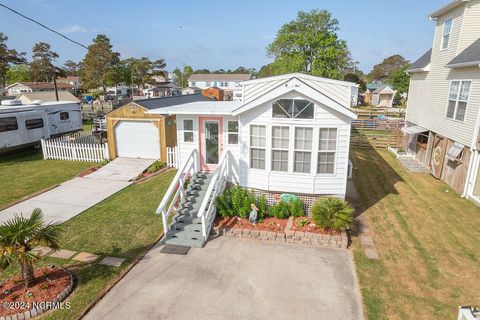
point(172, 157)
point(79, 148)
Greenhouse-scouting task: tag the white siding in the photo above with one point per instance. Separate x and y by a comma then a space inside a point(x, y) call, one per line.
point(471, 25)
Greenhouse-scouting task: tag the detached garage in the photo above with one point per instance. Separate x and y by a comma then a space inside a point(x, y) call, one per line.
point(134, 132)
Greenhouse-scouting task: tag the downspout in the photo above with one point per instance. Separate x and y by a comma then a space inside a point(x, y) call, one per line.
point(473, 155)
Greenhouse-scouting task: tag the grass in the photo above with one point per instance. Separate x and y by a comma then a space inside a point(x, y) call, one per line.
point(124, 225)
point(25, 172)
point(427, 238)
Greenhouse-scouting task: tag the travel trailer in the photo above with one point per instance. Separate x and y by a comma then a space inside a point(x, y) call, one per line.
point(25, 125)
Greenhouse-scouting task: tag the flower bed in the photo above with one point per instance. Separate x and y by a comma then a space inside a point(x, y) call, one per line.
point(268, 224)
point(51, 286)
point(306, 224)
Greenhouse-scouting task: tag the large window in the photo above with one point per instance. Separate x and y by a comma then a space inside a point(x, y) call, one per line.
point(447, 28)
point(8, 124)
point(458, 99)
point(293, 108)
point(257, 146)
point(187, 130)
point(303, 150)
point(232, 127)
point(34, 123)
point(326, 150)
point(280, 139)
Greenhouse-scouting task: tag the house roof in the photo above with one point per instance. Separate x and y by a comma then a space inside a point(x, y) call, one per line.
point(210, 107)
point(219, 77)
point(450, 6)
point(43, 85)
point(374, 86)
point(158, 103)
point(192, 88)
point(383, 87)
point(422, 63)
point(69, 78)
point(301, 76)
point(47, 96)
point(468, 57)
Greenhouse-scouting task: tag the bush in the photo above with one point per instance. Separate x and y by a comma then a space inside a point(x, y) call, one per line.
point(242, 200)
point(156, 166)
point(332, 213)
point(223, 203)
point(296, 208)
point(262, 206)
point(280, 210)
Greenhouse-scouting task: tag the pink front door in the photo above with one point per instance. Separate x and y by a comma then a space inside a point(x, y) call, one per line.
point(211, 142)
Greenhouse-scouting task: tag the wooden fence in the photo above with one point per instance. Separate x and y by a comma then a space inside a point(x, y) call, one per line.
point(172, 157)
point(67, 148)
point(377, 133)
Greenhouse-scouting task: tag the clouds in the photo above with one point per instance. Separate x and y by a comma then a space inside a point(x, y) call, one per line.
point(76, 28)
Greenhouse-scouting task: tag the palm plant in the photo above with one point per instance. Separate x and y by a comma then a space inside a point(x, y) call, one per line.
point(332, 213)
point(19, 235)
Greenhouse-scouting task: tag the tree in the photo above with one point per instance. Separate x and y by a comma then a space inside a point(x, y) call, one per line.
point(265, 71)
point(71, 68)
point(183, 75)
point(310, 44)
point(7, 58)
point(201, 71)
point(382, 72)
point(41, 67)
point(100, 65)
point(354, 77)
point(143, 69)
point(18, 73)
point(19, 235)
point(400, 79)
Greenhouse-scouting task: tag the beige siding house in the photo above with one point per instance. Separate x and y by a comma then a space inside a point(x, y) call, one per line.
point(444, 98)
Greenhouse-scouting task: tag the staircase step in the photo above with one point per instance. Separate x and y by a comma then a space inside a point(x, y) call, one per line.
point(190, 227)
point(187, 219)
point(185, 234)
point(184, 242)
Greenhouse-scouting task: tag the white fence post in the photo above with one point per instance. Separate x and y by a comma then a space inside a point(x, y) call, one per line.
point(80, 149)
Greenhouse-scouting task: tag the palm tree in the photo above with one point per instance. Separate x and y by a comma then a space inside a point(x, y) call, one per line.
point(19, 235)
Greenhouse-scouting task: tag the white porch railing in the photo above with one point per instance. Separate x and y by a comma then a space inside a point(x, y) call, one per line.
point(216, 186)
point(177, 188)
point(172, 157)
point(68, 149)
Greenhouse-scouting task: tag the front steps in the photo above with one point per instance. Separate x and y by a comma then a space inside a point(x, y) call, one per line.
point(186, 227)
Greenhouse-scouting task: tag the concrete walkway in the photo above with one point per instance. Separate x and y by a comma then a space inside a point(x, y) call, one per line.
point(233, 278)
point(77, 195)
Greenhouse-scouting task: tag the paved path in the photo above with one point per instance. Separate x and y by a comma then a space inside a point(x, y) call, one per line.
point(77, 195)
point(233, 278)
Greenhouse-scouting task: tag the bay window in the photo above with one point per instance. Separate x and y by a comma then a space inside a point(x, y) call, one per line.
point(257, 146)
point(280, 141)
point(327, 150)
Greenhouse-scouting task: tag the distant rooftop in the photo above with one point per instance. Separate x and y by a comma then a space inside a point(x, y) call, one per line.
point(220, 77)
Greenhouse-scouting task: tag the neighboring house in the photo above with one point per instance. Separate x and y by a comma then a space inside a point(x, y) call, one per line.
point(46, 96)
point(383, 96)
point(21, 87)
point(74, 81)
point(371, 88)
point(191, 90)
point(161, 89)
point(444, 99)
point(228, 82)
point(135, 132)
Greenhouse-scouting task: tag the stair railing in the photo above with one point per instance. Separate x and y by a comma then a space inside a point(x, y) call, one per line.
point(216, 186)
point(177, 188)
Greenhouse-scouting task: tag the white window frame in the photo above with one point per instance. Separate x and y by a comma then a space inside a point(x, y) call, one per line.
point(444, 33)
point(335, 152)
point(294, 118)
point(188, 131)
point(454, 116)
point(295, 149)
point(257, 147)
point(287, 149)
point(193, 83)
point(232, 132)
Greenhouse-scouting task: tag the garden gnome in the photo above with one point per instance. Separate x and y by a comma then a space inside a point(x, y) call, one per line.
point(253, 214)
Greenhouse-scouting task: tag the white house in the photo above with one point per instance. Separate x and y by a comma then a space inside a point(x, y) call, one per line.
point(228, 82)
point(443, 118)
point(22, 87)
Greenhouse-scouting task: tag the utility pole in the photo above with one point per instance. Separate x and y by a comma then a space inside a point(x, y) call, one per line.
point(55, 84)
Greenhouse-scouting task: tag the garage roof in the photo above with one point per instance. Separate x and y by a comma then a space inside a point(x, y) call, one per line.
point(157, 103)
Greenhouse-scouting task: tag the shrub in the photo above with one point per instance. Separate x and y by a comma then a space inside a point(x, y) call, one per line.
point(280, 210)
point(223, 203)
point(242, 200)
point(156, 166)
point(262, 206)
point(296, 207)
point(332, 213)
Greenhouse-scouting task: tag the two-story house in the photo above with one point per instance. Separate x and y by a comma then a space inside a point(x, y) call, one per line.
point(228, 82)
point(443, 115)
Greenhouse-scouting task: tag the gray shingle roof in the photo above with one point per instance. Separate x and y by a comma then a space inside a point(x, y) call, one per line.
point(156, 103)
point(219, 77)
point(422, 62)
point(468, 57)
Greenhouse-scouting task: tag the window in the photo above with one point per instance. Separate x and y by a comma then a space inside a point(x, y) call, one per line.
point(326, 150)
point(34, 123)
point(257, 146)
point(293, 108)
point(64, 116)
point(458, 99)
point(280, 140)
point(447, 28)
point(8, 124)
point(232, 127)
point(187, 130)
point(303, 150)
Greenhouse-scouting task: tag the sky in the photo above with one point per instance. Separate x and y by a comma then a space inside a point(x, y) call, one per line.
point(217, 34)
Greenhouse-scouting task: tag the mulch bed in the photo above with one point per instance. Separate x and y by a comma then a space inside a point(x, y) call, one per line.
point(310, 227)
point(268, 224)
point(88, 171)
point(49, 283)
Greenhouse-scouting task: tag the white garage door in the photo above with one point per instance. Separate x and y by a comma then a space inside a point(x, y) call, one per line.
point(137, 139)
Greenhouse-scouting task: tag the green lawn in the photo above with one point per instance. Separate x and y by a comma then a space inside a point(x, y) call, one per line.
point(427, 237)
point(24, 172)
point(124, 225)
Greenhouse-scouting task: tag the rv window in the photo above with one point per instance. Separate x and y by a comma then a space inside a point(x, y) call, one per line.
point(34, 124)
point(8, 124)
point(64, 116)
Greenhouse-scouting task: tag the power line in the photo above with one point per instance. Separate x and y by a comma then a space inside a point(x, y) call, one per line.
point(43, 26)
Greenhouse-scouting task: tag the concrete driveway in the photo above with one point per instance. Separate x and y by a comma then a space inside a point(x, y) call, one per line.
point(77, 195)
point(237, 279)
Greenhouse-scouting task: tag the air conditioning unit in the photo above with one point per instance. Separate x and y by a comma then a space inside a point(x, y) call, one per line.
point(12, 102)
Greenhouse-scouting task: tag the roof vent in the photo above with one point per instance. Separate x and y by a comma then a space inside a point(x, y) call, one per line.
point(11, 102)
point(37, 102)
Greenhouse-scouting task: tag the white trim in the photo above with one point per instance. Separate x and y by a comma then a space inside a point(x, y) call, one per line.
point(192, 131)
point(454, 117)
point(300, 76)
point(334, 173)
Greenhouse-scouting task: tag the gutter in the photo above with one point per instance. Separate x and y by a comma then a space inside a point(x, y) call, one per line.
point(464, 64)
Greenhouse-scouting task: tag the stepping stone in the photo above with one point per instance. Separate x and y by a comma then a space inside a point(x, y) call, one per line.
point(366, 241)
point(112, 261)
point(372, 253)
point(86, 257)
point(41, 251)
point(63, 254)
